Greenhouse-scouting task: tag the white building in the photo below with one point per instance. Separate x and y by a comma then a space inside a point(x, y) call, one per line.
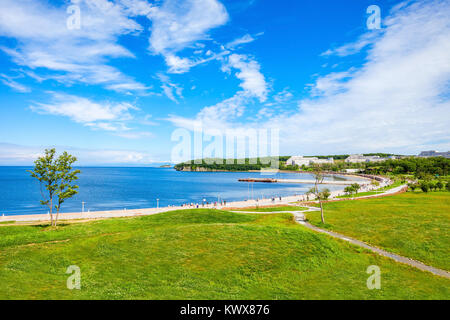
point(352, 170)
point(359, 158)
point(307, 161)
point(433, 153)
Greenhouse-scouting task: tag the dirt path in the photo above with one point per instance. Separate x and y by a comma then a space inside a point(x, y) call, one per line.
point(300, 218)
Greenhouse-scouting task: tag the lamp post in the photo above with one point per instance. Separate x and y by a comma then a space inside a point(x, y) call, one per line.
point(82, 206)
point(157, 203)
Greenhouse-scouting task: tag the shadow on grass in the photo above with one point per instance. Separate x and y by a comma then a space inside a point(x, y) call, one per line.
point(47, 226)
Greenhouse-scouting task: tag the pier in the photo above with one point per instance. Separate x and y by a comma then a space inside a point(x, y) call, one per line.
point(302, 181)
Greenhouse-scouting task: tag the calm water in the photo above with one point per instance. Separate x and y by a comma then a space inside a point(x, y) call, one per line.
point(134, 188)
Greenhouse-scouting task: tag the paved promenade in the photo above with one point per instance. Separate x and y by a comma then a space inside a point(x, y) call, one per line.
point(151, 211)
point(301, 219)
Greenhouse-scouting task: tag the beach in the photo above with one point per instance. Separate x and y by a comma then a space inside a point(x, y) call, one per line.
point(261, 202)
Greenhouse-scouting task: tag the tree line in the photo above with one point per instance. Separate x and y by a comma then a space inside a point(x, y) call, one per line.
point(419, 167)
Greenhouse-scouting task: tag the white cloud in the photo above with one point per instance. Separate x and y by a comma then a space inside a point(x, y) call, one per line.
point(355, 47)
point(398, 101)
point(78, 55)
point(10, 82)
point(242, 40)
point(177, 64)
point(283, 96)
point(83, 110)
point(253, 81)
point(11, 154)
point(170, 89)
point(330, 84)
point(216, 117)
point(178, 24)
point(106, 116)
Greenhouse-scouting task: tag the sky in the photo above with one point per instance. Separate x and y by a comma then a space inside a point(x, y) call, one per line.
point(115, 82)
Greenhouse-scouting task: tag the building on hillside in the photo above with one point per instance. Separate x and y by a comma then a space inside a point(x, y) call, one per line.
point(352, 170)
point(307, 161)
point(359, 158)
point(433, 153)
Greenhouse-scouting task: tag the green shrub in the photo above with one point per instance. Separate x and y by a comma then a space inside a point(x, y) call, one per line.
point(425, 186)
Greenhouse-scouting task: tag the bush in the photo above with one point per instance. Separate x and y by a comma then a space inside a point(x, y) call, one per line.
point(348, 190)
point(425, 186)
point(432, 186)
point(413, 186)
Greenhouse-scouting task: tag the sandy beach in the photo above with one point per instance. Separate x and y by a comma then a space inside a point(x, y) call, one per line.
point(234, 204)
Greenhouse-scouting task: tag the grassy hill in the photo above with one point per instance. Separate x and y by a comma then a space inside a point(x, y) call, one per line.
point(198, 254)
point(412, 224)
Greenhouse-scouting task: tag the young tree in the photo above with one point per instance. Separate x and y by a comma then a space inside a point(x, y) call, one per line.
point(325, 194)
point(424, 186)
point(55, 176)
point(308, 193)
point(356, 187)
point(319, 179)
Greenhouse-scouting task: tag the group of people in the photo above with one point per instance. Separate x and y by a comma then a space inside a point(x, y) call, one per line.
point(204, 204)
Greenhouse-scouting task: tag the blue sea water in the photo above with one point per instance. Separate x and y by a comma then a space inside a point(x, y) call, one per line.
point(104, 188)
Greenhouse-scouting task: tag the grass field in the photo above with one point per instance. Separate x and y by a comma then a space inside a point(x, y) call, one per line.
point(415, 225)
point(273, 209)
point(198, 254)
point(359, 194)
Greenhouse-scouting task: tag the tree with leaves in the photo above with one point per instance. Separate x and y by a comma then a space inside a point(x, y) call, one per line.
point(349, 190)
point(413, 186)
point(356, 187)
point(56, 177)
point(320, 195)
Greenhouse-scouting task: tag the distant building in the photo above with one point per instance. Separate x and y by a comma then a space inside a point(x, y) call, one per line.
point(307, 161)
point(359, 158)
point(432, 153)
point(352, 170)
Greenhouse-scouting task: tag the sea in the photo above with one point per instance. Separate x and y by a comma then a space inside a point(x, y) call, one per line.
point(117, 188)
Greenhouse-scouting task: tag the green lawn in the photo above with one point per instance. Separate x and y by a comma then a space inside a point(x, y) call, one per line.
point(415, 225)
point(273, 209)
point(359, 194)
point(198, 254)
point(370, 193)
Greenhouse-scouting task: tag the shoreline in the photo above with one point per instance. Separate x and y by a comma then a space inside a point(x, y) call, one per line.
point(150, 211)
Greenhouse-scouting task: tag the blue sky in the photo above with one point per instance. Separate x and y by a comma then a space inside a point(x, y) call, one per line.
point(114, 90)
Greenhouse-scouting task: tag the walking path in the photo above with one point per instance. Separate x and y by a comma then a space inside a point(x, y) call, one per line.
point(300, 218)
point(150, 211)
